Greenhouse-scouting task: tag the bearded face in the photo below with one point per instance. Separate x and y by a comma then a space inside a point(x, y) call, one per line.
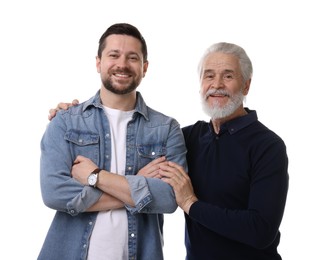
point(120, 81)
point(121, 65)
point(216, 110)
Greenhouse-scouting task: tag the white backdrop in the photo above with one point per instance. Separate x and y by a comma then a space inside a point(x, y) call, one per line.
point(47, 55)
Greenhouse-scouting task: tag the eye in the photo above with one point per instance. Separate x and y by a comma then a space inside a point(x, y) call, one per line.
point(208, 76)
point(133, 58)
point(228, 76)
point(113, 55)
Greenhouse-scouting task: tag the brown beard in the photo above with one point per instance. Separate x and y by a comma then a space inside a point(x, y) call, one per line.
point(109, 86)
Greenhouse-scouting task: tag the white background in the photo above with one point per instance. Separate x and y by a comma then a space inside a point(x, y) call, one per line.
point(47, 55)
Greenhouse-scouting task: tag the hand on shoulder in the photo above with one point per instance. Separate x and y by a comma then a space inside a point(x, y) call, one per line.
point(60, 106)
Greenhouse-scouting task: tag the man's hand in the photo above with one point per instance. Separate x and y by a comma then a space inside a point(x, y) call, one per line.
point(151, 170)
point(61, 105)
point(82, 168)
point(174, 174)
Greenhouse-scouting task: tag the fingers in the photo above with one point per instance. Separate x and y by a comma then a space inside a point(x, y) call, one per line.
point(172, 169)
point(75, 102)
point(177, 166)
point(152, 169)
point(153, 165)
point(53, 111)
point(52, 114)
point(157, 161)
point(80, 158)
point(170, 174)
point(61, 106)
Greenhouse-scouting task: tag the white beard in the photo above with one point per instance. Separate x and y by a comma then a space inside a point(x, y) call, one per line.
point(216, 111)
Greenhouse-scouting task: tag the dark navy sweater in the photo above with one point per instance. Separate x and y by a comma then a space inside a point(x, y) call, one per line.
point(240, 177)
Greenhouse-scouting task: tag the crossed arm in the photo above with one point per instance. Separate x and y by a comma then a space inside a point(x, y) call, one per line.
point(116, 193)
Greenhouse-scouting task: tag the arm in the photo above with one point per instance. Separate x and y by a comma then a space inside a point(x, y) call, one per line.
point(258, 224)
point(112, 184)
point(107, 201)
point(161, 194)
point(175, 175)
point(116, 188)
point(59, 190)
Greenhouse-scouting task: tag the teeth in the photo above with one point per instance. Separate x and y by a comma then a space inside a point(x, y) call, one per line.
point(217, 95)
point(121, 75)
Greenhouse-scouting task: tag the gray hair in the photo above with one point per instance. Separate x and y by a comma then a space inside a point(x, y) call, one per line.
point(233, 49)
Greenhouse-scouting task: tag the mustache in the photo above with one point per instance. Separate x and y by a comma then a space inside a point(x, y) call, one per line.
point(217, 92)
point(122, 71)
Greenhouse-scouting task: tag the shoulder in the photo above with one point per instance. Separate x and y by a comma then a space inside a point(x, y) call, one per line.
point(197, 126)
point(82, 109)
point(261, 139)
point(155, 117)
point(76, 116)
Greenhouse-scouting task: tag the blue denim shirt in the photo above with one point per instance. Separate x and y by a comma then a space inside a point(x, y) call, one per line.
point(84, 130)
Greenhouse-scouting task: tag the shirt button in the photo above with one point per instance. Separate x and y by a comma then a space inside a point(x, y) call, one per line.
point(84, 245)
point(129, 168)
point(153, 153)
point(132, 235)
point(80, 140)
point(90, 223)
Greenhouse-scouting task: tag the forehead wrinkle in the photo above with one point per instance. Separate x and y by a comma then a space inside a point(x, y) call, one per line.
point(221, 61)
point(218, 71)
point(218, 64)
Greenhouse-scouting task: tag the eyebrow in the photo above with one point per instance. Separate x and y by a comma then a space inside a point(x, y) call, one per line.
point(229, 70)
point(127, 54)
point(213, 71)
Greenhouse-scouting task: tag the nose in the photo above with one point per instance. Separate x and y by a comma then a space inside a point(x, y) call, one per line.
point(122, 62)
point(218, 82)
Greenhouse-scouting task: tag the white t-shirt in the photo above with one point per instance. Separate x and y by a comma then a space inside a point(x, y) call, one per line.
point(109, 239)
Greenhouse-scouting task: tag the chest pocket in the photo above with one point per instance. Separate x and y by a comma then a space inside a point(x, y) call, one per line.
point(84, 143)
point(149, 152)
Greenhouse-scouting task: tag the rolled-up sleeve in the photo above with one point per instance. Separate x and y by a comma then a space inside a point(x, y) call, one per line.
point(83, 200)
point(140, 193)
point(151, 195)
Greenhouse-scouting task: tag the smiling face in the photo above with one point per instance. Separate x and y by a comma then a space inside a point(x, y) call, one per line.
point(222, 86)
point(121, 65)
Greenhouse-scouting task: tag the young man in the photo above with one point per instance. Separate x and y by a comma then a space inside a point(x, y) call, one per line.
point(90, 157)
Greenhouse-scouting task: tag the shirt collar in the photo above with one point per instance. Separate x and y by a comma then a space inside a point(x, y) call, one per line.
point(140, 107)
point(237, 124)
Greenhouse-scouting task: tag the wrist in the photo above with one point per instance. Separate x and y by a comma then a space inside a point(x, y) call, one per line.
point(188, 204)
point(93, 178)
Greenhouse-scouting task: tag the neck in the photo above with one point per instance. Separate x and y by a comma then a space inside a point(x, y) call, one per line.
point(216, 123)
point(125, 102)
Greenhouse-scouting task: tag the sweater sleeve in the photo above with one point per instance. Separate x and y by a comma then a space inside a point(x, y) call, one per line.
point(258, 224)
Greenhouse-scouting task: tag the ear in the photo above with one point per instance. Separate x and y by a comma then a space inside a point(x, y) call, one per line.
point(98, 64)
point(145, 68)
point(246, 88)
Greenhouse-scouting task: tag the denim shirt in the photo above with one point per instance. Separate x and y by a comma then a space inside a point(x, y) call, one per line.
point(84, 130)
